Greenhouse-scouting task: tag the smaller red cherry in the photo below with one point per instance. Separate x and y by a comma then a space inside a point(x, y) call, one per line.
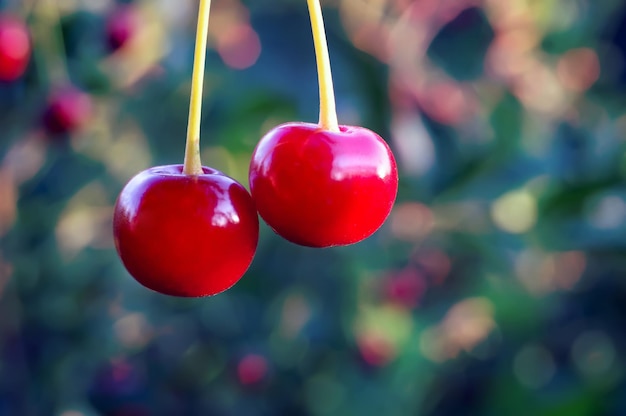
point(121, 26)
point(252, 369)
point(185, 235)
point(68, 110)
point(15, 48)
point(405, 288)
point(323, 188)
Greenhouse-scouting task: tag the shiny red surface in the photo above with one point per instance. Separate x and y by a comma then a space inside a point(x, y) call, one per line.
point(15, 48)
point(185, 235)
point(319, 188)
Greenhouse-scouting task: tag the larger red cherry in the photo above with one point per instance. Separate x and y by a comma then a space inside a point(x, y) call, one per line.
point(15, 48)
point(321, 188)
point(185, 235)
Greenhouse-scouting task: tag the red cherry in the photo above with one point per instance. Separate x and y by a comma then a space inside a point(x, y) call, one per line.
point(185, 235)
point(121, 26)
point(68, 109)
point(252, 369)
point(321, 188)
point(405, 288)
point(15, 48)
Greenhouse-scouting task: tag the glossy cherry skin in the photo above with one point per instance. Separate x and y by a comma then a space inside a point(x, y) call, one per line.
point(320, 188)
point(15, 48)
point(185, 235)
point(68, 110)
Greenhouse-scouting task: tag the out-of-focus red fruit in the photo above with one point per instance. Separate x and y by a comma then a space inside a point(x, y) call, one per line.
point(405, 288)
point(15, 48)
point(68, 110)
point(121, 26)
point(252, 369)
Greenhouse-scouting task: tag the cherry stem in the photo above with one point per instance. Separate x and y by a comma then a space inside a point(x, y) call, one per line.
point(193, 164)
point(328, 113)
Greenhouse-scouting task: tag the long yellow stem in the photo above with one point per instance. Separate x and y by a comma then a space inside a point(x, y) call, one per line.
point(192, 164)
point(328, 113)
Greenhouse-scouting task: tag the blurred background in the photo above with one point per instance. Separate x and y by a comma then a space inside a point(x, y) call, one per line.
point(496, 287)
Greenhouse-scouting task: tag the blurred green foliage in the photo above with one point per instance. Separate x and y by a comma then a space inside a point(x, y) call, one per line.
point(495, 288)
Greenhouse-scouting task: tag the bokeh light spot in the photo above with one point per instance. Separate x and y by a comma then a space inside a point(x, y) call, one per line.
point(515, 212)
point(239, 46)
point(578, 69)
point(381, 331)
point(252, 369)
point(435, 263)
point(85, 222)
point(446, 102)
point(72, 413)
point(411, 221)
point(607, 213)
point(296, 314)
point(405, 288)
point(534, 366)
point(541, 273)
point(594, 353)
point(8, 200)
point(375, 349)
point(133, 330)
point(414, 145)
point(465, 326)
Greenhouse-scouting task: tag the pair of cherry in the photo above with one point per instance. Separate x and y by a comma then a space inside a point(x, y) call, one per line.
point(188, 230)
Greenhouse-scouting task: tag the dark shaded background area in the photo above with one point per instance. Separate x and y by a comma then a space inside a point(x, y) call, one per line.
point(496, 287)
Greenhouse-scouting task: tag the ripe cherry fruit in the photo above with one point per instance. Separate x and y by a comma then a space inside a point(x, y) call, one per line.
point(185, 235)
point(121, 26)
point(321, 188)
point(68, 109)
point(323, 185)
point(186, 230)
point(15, 48)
